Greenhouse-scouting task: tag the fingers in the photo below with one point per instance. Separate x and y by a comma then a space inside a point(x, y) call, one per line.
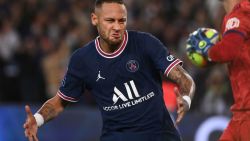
point(29, 115)
point(28, 135)
point(180, 109)
point(181, 112)
point(35, 138)
point(31, 136)
point(181, 106)
point(28, 111)
point(180, 117)
point(25, 125)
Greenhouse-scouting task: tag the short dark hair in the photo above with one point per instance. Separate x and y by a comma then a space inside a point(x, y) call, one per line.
point(98, 3)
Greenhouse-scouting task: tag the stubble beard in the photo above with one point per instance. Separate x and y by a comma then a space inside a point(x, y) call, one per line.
point(112, 43)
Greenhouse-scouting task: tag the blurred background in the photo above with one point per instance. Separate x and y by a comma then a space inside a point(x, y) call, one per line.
point(37, 38)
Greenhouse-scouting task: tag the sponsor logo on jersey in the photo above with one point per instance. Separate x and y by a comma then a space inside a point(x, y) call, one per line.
point(131, 98)
point(170, 58)
point(119, 95)
point(63, 81)
point(132, 65)
point(232, 23)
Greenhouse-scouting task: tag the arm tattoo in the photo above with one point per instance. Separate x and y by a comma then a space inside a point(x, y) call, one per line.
point(183, 80)
point(48, 111)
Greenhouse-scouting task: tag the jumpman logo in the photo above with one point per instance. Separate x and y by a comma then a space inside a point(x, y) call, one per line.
point(99, 76)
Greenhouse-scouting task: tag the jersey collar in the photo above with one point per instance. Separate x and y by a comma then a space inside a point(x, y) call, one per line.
point(113, 54)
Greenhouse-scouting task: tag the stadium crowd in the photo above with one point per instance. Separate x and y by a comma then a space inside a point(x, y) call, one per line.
point(38, 36)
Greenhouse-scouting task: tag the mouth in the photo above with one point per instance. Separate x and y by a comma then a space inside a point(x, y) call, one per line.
point(116, 35)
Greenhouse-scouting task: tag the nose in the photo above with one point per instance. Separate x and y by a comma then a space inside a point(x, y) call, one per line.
point(116, 26)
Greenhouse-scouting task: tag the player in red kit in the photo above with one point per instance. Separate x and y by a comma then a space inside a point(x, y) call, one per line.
point(234, 49)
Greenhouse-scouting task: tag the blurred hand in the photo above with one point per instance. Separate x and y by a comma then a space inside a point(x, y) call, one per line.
point(201, 40)
point(182, 106)
point(30, 125)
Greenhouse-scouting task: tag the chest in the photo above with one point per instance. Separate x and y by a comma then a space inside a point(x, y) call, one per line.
point(105, 73)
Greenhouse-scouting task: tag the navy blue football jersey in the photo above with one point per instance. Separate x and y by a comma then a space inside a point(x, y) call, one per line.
point(126, 85)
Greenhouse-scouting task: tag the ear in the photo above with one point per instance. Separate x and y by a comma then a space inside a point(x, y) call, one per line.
point(94, 19)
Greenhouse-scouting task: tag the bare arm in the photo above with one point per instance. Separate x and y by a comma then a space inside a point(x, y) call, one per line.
point(52, 108)
point(48, 111)
point(183, 80)
point(186, 88)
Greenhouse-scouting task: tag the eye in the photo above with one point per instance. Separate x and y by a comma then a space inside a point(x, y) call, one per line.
point(109, 20)
point(122, 21)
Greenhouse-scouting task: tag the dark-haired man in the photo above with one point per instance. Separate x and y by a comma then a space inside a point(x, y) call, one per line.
point(122, 70)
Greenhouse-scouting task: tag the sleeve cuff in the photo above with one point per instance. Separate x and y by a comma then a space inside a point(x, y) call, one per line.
point(171, 66)
point(66, 98)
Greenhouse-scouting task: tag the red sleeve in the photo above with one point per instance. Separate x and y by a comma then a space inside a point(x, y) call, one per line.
point(228, 48)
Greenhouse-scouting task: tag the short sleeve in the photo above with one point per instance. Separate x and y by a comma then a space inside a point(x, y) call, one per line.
point(159, 54)
point(72, 86)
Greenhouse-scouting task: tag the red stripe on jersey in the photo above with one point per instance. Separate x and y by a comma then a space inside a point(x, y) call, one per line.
point(67, 98)
point(171, 66)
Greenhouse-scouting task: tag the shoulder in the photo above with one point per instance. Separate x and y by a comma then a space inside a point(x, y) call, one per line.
point(238, 19)
point(140, 35)
point(244, 6)
point(84, 50)
point(81, 54)
point(240, 12)
point(143, 37)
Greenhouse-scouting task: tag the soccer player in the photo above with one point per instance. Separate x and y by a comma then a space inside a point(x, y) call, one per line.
point(122, 69)
point(234, 49)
